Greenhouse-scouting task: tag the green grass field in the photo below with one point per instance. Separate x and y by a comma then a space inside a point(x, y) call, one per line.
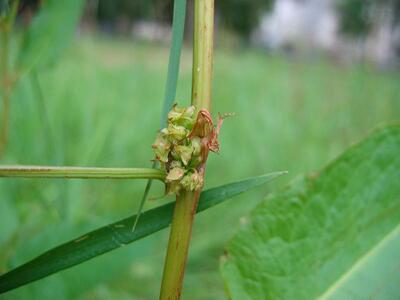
point(104, 101)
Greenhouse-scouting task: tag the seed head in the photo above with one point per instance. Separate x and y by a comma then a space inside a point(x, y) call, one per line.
point(182, 147)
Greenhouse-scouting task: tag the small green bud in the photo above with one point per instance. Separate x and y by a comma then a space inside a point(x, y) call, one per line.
point(192, 181)
point(175, 164)
point(161, 148)
point(164, 131)
point(181, 112)
point(175, 174)
point(182, 116)
point(177, 133)
point(196, 144)
point(184, 153)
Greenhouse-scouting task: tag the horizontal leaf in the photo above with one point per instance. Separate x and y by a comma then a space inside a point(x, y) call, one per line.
point(80, 172)
point(332, 235)
point(118, 234)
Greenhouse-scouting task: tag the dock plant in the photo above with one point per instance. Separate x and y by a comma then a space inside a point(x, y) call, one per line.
point(333, 234)
point(187, 134)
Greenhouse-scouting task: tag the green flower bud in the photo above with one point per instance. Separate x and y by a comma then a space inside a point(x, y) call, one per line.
point(196, 145)
point(175, 164)
point(192, 181)
point(175, 174)
point(182, 116)
point(177, 133)
point(161, 148)
point(182, 146)
point(164, 131)
point(184, 153)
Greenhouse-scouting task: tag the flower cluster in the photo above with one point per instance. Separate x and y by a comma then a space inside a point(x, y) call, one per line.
point(179, 151)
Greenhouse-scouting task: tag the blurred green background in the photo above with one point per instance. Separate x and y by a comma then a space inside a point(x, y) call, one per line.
point(104, 99)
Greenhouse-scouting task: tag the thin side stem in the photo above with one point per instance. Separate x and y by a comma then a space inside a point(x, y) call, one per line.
point(80, 172)
point(186, 203)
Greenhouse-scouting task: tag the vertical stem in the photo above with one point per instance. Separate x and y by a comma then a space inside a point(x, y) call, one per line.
point(178, 246)
point(5, 90)
point(186, 202)
point(203, 39)
point(6, 81)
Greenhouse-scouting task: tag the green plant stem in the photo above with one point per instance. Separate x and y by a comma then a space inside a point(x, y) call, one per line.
point(178, 246)
point(203, 40)
point(186, 203)
point(6, 80)
point(5, 89)
point(80, 172)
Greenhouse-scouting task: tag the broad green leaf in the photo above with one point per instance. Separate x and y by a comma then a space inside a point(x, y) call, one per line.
point(49, 33)
point(332, 235)
point(115, 235)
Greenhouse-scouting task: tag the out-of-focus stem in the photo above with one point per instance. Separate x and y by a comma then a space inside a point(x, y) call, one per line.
point(186, 202)
point(80, 172)
point(6, 80)
point(5, 89)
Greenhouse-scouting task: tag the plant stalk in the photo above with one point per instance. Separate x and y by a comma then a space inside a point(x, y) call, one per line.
point(5, 89)
point(186, 202)
point(6, 80)
point(80, 172)
point(178, 246)
point(203, 40)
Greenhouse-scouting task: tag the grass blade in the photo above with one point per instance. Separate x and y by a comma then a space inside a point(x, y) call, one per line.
point(80, 172)
point(115, 235)
point(178, 26)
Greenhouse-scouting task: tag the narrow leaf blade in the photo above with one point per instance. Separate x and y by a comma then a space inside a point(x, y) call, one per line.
point(118, 234)
point(178, 27)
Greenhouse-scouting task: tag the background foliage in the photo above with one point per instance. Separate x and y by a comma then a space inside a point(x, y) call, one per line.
point(104, 98)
